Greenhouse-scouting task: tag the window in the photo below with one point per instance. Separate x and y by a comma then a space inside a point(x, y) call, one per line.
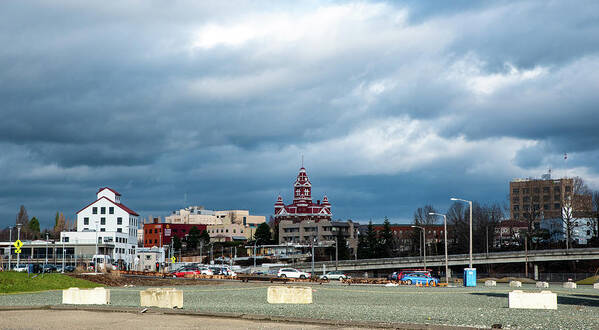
point(111, 210)
point(526, 199)
point(155, 241)
point(546, 207)
point(119, 221)
point(515, 200)
point(94, 210)
point(516, 207)
point(556, 206)
point(102, 221)
point(119, 230)
point(65, 239)
point(102, 229)
point(155, 231)
point(545, 190)
point(86, 221)
point(102, 210)
point(516, 191)
point(536, 190)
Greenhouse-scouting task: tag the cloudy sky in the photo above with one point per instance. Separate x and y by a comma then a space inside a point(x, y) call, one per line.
point(392, 104)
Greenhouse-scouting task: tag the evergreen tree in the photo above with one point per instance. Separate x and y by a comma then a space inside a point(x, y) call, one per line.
point(372, 241)
point(193, 238)
point(342, 249)
point(34, 228)
point(177, 243)
point(205, 237)
point(263, 234)
point(22, 217)
point(386, 240)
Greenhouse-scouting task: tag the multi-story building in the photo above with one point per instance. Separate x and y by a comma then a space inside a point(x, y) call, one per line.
point(529, 198)
point(225, 225)
point(302, 208)
point(109, 222)
point(193, 215)
point(160, 234)
point(323, 232)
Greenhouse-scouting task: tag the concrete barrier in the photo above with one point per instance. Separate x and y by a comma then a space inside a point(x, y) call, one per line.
point(490, 283)
point(515, 284)
point(596, 286)
point(76, 296)
point(289, 295)
point(161, 297)
point(569, 285)
point(532, 300)
point(542, 285)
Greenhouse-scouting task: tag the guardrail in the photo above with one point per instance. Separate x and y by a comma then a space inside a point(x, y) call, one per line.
point(461, 258)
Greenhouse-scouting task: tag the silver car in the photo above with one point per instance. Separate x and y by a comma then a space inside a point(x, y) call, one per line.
point(337, 275)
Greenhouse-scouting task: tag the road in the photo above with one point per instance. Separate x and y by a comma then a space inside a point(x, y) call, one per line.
point(54, 319)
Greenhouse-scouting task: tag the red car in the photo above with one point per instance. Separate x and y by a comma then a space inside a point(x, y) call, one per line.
point(186, 271)
point(396, 276)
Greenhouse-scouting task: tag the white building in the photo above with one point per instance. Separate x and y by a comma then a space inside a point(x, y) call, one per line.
point(582, 229)
point(109, 222)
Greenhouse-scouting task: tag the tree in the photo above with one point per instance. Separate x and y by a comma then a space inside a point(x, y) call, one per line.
point(342, 249)
point(457, 219)
point(422, 216)
point(263, 234)
point(386, 240)
point(177, 243)
point(204, 237)
point(34, 227)
point(193, 238)
point(595, 214)
point(59, 224)
point(22, 217)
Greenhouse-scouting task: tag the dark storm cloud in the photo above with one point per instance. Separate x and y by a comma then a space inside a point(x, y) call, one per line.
point(393, 104)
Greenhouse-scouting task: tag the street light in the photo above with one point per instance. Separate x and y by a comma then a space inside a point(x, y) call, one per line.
point(335, 230)
point(256, 241)
point(9, 247)
point(445, 239)
point(95, 260)
point(470, 204)
point(424, 238)
point(18, 239)
point(46, 261)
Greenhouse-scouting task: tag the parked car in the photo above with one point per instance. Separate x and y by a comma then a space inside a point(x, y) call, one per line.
point(398, 275)
point(292, 273)
point(420, 278)
point(336, 275)
point(20, 268)
point(186, 271)
point(49, 268)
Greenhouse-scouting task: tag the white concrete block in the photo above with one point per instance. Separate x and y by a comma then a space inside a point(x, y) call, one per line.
point(161, 297)
point(542, 285)
point(569, 285)
point(490, 283)
point(596, 286)
point(532, 300)
point(76, 296)
point(289, 295)
point(515, 284)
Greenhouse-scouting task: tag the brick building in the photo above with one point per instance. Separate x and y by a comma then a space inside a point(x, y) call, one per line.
point(160, 234)
point(302, 208)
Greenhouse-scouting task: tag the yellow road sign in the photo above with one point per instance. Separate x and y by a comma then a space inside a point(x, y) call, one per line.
point(173, 259)
point(17, 250)
point(18, 244)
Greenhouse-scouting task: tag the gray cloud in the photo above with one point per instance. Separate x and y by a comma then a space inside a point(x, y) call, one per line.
point(393, 104)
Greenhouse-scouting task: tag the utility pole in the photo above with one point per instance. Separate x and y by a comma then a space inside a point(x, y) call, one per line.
point(312, 243)
point(336, 254)
point(9, 247)
point(46, 260)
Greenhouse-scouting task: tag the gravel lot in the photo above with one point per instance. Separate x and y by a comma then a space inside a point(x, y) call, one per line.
point(479, 307)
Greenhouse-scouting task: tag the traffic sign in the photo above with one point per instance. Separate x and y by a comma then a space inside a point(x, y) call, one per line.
point(18, 244)
point(17, 250)
point(173, 259)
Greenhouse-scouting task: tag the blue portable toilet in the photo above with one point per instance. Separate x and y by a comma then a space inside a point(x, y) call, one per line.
point(469, 276)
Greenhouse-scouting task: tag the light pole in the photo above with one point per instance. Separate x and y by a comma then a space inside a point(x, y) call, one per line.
point(424, 239)
point(46, 261)
point(95, 260)
point(470, 204)
point(18, 239)
point(256, 241)
point(312, 243)
point(335, 230)
point(445, 239)
point(9, 247)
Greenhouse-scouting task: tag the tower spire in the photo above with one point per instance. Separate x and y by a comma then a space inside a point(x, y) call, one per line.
point(302, 160)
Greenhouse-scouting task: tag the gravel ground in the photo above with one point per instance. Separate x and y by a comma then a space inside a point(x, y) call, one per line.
point(479, 307)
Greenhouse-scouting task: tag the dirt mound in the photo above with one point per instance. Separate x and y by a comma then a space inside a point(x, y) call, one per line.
point(121, 280)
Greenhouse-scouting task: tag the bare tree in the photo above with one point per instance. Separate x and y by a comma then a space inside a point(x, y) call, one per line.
point(422, 216)
point(595, 216)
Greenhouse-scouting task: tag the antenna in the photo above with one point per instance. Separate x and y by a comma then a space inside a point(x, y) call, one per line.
point(302, 160)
